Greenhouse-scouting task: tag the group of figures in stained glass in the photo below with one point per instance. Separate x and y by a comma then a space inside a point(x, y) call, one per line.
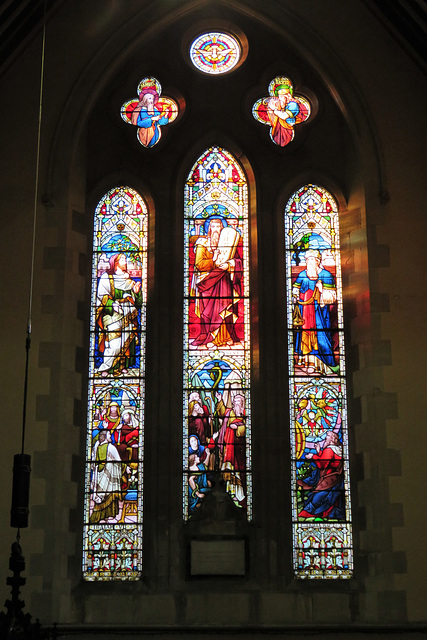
point(216, 346)
point(216, 401)
point(216, 340)
point(216, 432)
point(113, 507)
point(320, 494)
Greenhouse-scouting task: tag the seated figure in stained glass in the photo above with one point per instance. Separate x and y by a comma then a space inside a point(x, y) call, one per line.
point(127, 436)
point(323, 489)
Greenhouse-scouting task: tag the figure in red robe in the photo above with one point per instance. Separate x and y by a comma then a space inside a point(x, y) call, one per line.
point(325, 486)
point(232, 448)
point(217, 284)
point(127, 437)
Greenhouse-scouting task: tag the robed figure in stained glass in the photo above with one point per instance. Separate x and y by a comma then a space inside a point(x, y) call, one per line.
point(314, 291)
point(118, 297)
point(198, 480)
point(198, 417)
point(217, 355)
point(232, 447)
point(282, 110)
point(106, 480)
point(148, 118)
point(321, 512)
point(149, 112)
point(115, 428)
point(324, 487)
point(217, 284)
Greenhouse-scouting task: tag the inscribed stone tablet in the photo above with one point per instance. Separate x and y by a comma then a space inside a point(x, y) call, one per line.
point(217, 557)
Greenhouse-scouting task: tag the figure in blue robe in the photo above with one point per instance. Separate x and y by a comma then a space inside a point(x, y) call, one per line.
point(314, 291)
point(148, 118)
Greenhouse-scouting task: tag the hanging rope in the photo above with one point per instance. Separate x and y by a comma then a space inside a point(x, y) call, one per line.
point(36, 196)
point(22, 462)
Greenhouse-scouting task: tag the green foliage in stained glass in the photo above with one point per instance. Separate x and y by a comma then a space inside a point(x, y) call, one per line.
point(112, 545)
point(216, 400)
point(321, 514)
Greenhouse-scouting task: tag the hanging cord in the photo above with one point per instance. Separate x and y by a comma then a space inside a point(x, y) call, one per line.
point(36, 195)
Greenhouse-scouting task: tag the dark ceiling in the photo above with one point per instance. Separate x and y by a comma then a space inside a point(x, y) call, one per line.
point(406, 20)
point(20, 22)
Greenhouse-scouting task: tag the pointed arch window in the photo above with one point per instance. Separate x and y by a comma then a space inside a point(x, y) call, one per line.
point(216, 399)
point(321, 515)
point(114, 453)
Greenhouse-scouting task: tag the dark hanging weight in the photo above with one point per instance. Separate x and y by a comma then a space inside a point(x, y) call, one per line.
point(20, 490)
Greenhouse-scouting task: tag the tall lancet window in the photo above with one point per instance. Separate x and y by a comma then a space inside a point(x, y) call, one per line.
point(322, 538)
point(113, 500)
point(216, 411)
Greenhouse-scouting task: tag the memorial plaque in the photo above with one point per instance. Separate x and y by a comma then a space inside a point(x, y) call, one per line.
point(217, 557)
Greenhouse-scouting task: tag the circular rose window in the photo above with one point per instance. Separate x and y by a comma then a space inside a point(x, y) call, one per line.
point(215, 52)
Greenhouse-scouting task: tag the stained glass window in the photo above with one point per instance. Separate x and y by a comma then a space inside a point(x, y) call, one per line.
point(322, 535)
point(113, 499)
point(215, 53)
point(216, 400)
point(282, 110)
point(150, 111)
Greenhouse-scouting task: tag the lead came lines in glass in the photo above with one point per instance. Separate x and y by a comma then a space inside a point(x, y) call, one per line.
point(114, 473)
point(216, 411)
point(321, 512)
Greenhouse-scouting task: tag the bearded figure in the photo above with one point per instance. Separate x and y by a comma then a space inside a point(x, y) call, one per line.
point(217, 285)
point(314, 292)
point(119, 297)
